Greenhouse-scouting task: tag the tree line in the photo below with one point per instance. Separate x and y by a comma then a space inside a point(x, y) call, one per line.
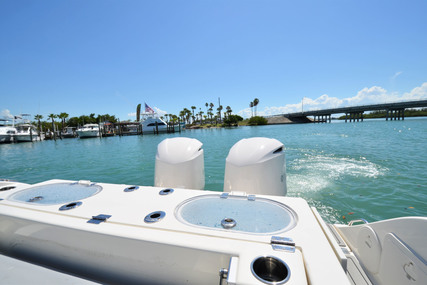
point(53, 124)
point(190, 116)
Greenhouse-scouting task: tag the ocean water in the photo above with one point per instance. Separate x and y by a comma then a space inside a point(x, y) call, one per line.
point(374, 169)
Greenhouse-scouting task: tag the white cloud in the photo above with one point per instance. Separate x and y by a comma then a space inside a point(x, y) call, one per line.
point(396, 75)
point(6, 114)
point(366, 96)
point(418, 93)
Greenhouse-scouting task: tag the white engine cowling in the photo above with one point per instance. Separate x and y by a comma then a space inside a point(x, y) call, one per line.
point(256, 166)
point(180, 164)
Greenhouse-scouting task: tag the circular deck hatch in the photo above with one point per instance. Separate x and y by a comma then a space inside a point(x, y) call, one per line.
point(57, 193)
point(261, 216)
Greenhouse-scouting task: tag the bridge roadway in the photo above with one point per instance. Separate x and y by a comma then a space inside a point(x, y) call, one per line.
point(394, 111)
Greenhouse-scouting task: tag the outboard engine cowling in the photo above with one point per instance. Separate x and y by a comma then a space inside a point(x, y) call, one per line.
point(256, 166)
point(180, 164)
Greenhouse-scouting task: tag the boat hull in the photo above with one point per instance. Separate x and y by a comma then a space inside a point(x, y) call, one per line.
point(6, 138)
point(88, 134)
point(27, 137)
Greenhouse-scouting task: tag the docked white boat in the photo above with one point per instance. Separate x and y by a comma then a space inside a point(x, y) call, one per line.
point(152, 124)
point(7, 133)
point(88, 131)
point(69, 132)
point(177, 233)
point(26, 133)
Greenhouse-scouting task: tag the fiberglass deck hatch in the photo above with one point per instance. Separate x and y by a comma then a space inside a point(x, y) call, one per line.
point(57, 193)
point(259, 216)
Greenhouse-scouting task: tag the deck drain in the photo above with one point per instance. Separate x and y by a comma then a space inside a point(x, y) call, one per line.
point(131, 188)
point(154, 217)
point(166, 191)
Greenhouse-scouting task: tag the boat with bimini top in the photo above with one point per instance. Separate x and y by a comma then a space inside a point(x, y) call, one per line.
point(251, 233)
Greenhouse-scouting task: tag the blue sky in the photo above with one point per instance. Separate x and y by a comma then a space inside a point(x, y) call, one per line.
point(83, 57)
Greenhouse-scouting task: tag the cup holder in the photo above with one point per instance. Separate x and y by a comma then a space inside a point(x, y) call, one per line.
point(270, 270)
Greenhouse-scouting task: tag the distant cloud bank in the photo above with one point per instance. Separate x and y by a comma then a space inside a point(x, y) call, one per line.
point(366, 96)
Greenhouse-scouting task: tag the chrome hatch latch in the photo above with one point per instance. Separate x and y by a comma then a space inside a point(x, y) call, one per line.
point(282, 244)
point(99, 219)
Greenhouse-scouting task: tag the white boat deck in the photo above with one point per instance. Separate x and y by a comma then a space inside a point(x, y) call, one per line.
point(126, 249)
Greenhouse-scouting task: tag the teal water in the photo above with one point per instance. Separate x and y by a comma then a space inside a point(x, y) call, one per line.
point(373, 169)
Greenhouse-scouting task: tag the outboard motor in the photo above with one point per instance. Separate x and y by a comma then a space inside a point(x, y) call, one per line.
point(256, 166)
point(180, 164)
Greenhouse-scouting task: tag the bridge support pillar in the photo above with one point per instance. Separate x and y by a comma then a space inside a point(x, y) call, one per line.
point(395, 114)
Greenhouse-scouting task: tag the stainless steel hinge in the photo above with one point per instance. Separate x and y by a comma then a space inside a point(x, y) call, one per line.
point(250, 197)
point(282, 244)
point(99, 219)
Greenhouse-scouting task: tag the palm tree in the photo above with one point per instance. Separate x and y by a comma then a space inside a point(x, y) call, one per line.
point(228, 108)
point(200, 116)
point(38, 118)
point(63, 116)
point(52, 116)
point(193, 108)
point(138, 112)
point(207, 105)
point(251, 105)
point(210, 114)
point(219, 112)
point(187, 115)
point(182, 114)
point(256, 101)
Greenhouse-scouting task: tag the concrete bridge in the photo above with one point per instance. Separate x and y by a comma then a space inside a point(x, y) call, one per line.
point(394, 111)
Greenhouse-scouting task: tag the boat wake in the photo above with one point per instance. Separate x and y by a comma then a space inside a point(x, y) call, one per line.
point(318, 172)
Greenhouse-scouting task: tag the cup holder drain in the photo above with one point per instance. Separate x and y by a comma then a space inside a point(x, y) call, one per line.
point(70, 206)
point(270, 270)
point(7, 188)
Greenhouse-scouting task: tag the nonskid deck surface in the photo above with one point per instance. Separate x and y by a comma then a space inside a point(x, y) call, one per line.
point(132, 233)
